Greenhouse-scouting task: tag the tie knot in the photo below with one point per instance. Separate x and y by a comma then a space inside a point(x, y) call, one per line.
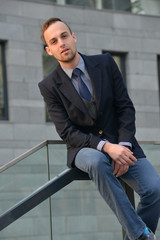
point(77, 72)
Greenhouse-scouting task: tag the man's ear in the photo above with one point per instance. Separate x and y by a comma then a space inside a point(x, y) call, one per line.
point(48, 51)
point(74, 36)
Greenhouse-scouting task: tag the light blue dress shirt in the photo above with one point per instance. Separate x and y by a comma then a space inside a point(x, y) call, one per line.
point(84, 75)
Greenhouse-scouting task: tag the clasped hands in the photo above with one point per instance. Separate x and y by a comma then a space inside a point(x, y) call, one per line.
point(121, 157)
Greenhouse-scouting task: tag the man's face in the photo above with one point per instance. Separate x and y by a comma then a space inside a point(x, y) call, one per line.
point(61, 43)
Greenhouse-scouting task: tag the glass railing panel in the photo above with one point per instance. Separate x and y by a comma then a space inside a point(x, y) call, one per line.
point(35, 225)
point(18, 181)
point(57, 158)
point(152, 152)
point(79, 212)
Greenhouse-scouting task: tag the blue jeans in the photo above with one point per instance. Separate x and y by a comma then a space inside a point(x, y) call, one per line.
point(142, 177)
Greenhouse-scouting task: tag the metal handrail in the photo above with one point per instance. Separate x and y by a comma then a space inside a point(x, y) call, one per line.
point(45, 143)
point(29, 152)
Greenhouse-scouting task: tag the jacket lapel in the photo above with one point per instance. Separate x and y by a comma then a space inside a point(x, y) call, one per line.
point(95, 75)
point(69, 91)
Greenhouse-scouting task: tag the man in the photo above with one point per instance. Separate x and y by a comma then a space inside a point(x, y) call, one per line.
point(90, 107)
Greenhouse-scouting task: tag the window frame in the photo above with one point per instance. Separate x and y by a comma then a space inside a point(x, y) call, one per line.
point(4, 79)
point(123, 56)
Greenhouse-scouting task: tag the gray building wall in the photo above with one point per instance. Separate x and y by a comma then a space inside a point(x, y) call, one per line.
point(136, 35)
point(20, 23)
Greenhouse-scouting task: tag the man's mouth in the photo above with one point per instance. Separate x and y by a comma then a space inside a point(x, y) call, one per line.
point(65, 50)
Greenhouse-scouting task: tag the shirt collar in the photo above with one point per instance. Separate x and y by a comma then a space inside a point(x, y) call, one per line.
point(81, 66)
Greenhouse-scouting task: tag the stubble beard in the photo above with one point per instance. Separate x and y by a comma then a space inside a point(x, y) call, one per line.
point(69, 57)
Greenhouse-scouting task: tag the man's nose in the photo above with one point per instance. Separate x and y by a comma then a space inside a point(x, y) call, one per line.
point(61, 42)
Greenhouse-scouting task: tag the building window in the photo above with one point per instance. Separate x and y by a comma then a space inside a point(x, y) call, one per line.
point(158, 61)
point(100, 4)
point(49, 64)
point(95, 4)
point(79, 3)
point(3, 84)
point(120, 60)
point(124, 5)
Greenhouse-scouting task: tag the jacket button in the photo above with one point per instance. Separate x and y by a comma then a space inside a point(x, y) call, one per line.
point(100, 131)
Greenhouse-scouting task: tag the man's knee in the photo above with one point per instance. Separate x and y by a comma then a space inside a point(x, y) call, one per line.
point(100, 162)
point(152, 194)
point(92, 161)
point(156, 191)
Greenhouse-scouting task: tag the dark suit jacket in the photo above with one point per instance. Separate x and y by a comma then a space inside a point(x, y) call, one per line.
point(115, 112)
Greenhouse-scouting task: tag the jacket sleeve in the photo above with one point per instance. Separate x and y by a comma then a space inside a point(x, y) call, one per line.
point(125, 111)
point(65, 128)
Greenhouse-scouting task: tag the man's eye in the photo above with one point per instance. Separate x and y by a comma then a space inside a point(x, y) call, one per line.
point(64, 36)
point(53, 42)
